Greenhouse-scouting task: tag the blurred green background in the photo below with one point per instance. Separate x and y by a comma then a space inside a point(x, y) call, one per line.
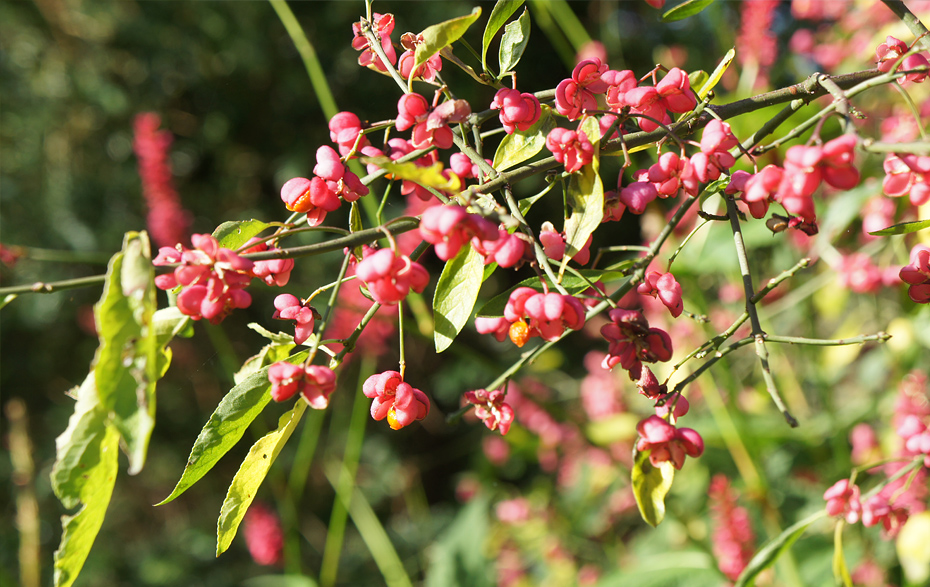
point(230, 86)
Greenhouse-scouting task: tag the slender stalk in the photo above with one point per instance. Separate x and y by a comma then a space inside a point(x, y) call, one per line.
point(54, 286)
point(757, 333)
point(880, 337)
point(308, 56)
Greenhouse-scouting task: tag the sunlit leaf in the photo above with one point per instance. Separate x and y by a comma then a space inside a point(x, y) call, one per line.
point(650, 486)
point(716, 75)
point(229, 422)
point(440, 35)
point(768, 554)
point(840, 570)
point(426, 176)
point(83, 475)
point(250, 475)
point(913, 548)
point(234, 234)
point(525, 204)
point(573, 284)
point(522, 146)
point(499, 15)
point(513, 43)
point(585, 197)
point(902, 228)
point(685, 9)
point(456, 293)
point(126, 366)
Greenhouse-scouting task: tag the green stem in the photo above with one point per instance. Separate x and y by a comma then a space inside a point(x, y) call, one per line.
point(910, 21)
point(757, 333)
point(880, 337)
point(309, 57)
point(54, 286)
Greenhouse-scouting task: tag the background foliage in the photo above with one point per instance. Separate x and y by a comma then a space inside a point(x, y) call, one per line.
point(230, 86)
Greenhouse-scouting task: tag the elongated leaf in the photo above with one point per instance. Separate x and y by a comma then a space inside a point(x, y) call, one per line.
point(83, 475)
point(250, 475)
point(234, 234)
point(650, 486)
point(902, 228)
point(526, 203)
point(513, 43)
point(586, 197)
point(228, 423)
point(126, 365)
point(716, 75)
point(441, 35)
point(840, 570)
point(499, 15)
point(456, 294)
point(768, 554)
point(685, 9)
point(573, 284)
point(522, 146)
point(427, 176)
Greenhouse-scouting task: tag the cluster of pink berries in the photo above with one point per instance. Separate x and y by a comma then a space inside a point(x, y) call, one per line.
point(314, 382)
point(917, 275)
point(491, 409)
point(212, 278)
point(394, 399)
point(389, 276)
point(889, 52)
point(322, 194)
point(448, 228)
point(665, 442)
point(793, 185)
point(907, 175)
point(530, 313)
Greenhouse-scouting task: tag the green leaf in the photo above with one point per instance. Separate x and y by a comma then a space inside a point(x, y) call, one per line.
point(526, 203)
point(127, 364)
point(685, 9)
point(573, 284)
point(513, 43)
point(902, 228)
point(250, 475)
point(499, 15)
point(278, 337)
point(228, 423)
point(585, 197)
point(697, 79)
point(718, 73)
point(454, 560)
point(441, 35)
point(840, 570)
point(234, 234)
point(427, 176)
point(650, 486)
point(768, 554)
point(84, 473)
point(521, 146)
point(169, 322)
point(456, 294)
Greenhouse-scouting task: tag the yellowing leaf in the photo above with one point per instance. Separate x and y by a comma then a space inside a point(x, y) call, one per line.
point(586, 197)
point(718, 73)
point(426, 176)
point(650, 486)
point(250, 475)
